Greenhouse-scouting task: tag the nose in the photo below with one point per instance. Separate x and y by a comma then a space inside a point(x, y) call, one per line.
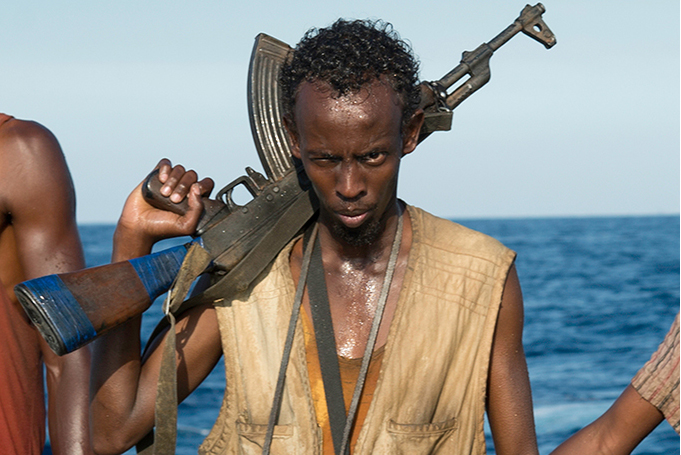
point(350, 183)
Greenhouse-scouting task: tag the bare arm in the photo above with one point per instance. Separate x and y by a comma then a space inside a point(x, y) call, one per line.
point(39, 200)
point(123, 386)
point(618, 431)
point(509, 399)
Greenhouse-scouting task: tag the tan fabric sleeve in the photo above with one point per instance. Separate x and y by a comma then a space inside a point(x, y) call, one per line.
point(658, 380)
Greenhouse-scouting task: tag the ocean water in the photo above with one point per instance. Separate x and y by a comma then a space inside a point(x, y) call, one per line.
point(600, 294)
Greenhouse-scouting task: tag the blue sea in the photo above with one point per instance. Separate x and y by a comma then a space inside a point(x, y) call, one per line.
point(600, 295)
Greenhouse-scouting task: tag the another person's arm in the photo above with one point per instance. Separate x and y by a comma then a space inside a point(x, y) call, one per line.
point(618, 431)
point(652, 396)
point(123, 386)
point(41, 204)
point(509, 398)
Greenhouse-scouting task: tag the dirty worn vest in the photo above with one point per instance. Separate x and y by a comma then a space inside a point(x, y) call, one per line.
point(430, 395)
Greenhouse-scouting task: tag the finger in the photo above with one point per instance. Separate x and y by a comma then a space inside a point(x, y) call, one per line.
point(163, 167)
point(183, 185)
point(206, 186)
point(174, 177)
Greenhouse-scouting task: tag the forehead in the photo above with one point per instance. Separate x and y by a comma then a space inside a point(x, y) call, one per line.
point(374, 102)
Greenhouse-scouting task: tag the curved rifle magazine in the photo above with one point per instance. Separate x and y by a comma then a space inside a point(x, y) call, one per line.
point(264, 106)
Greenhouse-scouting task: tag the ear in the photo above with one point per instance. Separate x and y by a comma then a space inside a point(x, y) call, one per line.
point(293, 135)
point(411, 132)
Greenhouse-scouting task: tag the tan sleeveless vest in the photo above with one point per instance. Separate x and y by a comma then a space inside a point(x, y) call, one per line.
point(430, 395)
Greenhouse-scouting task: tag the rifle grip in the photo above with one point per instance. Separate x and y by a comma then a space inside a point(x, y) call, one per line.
point(151, 190)
point(71, 309)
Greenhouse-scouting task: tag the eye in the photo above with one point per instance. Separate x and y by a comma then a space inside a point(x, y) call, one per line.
point(325, 159)
point(373, 157)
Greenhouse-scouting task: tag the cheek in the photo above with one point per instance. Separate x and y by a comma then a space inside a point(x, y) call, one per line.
point(322, 182)
point(386, 177)
point(388, 187)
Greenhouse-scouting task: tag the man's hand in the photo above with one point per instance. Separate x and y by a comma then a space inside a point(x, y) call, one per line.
point(141, 225)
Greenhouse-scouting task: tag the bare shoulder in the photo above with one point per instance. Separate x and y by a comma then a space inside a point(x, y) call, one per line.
point(26, 141)
point(38, 227)
point(32, 168)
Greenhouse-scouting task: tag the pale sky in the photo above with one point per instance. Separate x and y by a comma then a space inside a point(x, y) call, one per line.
point(590, 127)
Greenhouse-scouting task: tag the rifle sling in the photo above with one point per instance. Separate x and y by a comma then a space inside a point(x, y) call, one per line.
point(164, 442)
point(326, 346)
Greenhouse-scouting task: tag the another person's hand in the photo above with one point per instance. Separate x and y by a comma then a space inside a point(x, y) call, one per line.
point(141, 225)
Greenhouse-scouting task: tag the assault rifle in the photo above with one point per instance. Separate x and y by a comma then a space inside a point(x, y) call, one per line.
point(72, 309)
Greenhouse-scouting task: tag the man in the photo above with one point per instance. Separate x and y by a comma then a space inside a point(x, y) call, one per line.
point(449, 341)
point(38, 236)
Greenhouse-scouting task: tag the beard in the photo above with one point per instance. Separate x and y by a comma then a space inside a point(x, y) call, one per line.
point(363, 235)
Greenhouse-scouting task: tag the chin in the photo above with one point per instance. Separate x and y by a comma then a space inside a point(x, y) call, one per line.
point(364, 235)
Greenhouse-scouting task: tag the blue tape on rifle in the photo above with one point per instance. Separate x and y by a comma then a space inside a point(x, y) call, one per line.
point(158, 270)
point(61, 310)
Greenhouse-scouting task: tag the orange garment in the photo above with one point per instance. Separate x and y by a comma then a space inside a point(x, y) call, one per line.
point(349, 371)
point(22, 400)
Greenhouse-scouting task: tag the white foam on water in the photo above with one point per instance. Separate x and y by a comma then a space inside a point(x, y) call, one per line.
point(563, 417)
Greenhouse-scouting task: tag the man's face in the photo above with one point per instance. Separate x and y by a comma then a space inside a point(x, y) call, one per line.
point(351, 149)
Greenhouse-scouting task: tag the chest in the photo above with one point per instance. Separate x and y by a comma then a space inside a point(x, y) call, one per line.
point(353, 300)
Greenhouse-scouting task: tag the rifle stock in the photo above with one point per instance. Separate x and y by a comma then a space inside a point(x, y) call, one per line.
point(71, 309)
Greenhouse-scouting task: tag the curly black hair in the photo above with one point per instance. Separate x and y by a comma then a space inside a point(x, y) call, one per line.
point(348, 55)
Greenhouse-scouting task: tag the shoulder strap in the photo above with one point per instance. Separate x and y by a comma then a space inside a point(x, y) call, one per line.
point(326, 346)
